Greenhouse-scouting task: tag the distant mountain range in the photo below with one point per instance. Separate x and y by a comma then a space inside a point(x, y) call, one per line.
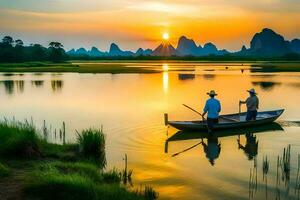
point(266, 43)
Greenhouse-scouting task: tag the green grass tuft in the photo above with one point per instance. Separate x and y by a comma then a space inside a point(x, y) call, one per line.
point(92, 146)
point(19, 139)
point(4, 171)
point(112, 176)
point(84, 169)
point(52, 185)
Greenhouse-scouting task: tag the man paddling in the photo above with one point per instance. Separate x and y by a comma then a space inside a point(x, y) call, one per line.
point(252, 103)
point(213, 108)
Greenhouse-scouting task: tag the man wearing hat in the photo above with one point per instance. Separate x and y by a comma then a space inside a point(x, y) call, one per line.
point(212, 107)
point(252, 105)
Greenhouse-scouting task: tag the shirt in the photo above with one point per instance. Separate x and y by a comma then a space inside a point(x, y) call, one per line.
point(252, 103)
point(213, 107)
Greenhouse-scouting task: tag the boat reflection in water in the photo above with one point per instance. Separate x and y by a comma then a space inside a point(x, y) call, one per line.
point(212, 146)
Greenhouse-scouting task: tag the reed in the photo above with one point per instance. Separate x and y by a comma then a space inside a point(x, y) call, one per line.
point(92, 146)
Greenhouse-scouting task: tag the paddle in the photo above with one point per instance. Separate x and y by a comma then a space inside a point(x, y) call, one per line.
point(192, 109)
point(229, 119)
point(199, 114)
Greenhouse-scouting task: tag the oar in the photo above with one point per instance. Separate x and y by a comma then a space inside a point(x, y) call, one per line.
point(229, 119)
point(192, 109)
point(199, 114)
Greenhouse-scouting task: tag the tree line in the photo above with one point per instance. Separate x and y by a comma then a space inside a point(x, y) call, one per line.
point(14, 51)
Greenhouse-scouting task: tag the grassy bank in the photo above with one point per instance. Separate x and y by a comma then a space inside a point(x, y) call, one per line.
point(32, 168)
point(113, 68)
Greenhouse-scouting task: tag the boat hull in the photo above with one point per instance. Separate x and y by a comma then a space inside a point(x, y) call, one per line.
point(234, 121)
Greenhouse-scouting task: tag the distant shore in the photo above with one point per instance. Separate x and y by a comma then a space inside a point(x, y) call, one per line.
point(121, 66)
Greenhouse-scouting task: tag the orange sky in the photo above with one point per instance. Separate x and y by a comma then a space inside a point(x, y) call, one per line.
point(140, 23)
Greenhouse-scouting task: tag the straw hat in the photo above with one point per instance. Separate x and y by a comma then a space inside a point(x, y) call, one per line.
point(212, 93)
point(252, 91)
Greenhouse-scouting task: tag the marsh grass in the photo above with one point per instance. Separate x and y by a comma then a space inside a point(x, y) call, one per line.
point(81, 168)
point(68, 171)
point(4, 170)
point(53, 185)
point(112, 176)
point(148, 193)
point(19, 139)
point(91, 144)
point(60, 180)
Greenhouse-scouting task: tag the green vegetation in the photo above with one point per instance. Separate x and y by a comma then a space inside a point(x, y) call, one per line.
point(92, 146)
point(14, 51)
point(4, 170)
point(52, 171)
point(19, 140)
point(276, 67)
point(111, 68)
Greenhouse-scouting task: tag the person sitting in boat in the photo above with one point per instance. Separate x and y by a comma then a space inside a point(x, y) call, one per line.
point(252, 105)
point(213, 108)
point(212, 149)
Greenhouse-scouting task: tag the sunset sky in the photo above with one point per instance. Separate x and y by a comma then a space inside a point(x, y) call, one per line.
point(141, 23)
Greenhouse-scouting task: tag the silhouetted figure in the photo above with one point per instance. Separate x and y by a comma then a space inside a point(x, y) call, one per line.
point(212, 149)
point(212, 109)
point(251, 146)
point(252, 103)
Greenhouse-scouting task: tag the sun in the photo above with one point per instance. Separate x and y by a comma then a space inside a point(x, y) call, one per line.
point(166, 36)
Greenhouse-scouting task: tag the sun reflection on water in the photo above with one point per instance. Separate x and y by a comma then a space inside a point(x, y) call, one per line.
point(165, 68)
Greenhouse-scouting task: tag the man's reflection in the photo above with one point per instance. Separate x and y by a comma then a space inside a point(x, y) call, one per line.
point(212, 149)
point(251, 146)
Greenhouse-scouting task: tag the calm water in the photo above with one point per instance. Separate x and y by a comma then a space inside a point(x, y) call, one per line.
point(131, 106)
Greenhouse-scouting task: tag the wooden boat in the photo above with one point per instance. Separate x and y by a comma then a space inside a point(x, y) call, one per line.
point(229, 121)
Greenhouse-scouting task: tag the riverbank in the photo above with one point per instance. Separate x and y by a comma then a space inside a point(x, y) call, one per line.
point(141, 67)
point(70, 67)
point(32, 168)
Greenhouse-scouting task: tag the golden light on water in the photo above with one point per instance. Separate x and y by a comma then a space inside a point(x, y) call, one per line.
point(165, 68)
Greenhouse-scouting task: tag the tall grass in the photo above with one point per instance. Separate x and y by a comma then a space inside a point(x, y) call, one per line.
point(63, 181)
point(4, 171)
point(92, 145)
point(19, 139)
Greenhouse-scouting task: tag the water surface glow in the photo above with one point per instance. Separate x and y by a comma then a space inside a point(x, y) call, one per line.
point(178, 166)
